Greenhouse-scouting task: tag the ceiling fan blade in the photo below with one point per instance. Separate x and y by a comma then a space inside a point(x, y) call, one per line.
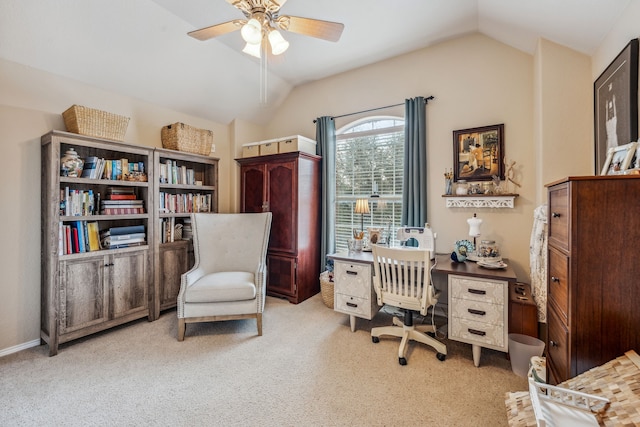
point(326, 30)
point(217, 30)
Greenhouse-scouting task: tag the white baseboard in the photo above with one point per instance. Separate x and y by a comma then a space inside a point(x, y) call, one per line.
point(19, 347)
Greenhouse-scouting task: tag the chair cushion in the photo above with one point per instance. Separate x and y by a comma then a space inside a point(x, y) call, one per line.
point(224, 286)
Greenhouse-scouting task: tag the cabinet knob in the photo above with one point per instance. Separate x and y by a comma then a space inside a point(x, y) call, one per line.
point(555, 214)
point(265, 206)
point(553, 343)
point(555, 279)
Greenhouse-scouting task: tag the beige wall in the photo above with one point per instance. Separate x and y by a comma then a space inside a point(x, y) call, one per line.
point(476, 81)
point(31, 105)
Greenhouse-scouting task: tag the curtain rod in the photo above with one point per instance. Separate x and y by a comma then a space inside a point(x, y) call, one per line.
point(426, 100)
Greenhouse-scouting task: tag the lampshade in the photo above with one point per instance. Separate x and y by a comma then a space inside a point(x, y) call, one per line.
point(252, 49)
point(278, 43)
point(252, 31)
point(362, 206)
point(474, 226)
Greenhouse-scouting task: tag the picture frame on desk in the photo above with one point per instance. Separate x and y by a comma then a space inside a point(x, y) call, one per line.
point(615, 104)
point(478, 153)
point(619, 159)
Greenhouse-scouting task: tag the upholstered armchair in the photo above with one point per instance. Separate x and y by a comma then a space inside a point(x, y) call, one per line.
point(229, 278)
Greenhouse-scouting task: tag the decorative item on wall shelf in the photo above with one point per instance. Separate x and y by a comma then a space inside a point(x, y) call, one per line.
point(182, 137)
point(478, 153)
point(616, 105)
point(71, 164)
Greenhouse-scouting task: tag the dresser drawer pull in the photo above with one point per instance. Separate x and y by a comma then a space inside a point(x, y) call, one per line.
point(477, 291)
point(555, 279)
point(476, 332)
point(350, 304)
point(353, 273)
point(555, 215)
point(478, 312)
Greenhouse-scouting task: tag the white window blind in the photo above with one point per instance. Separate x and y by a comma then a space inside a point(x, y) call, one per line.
point(369, 164)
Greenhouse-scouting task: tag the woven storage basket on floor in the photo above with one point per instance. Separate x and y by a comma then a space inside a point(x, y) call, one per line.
point(181, 137)
point(326, 288)
point(96, 123)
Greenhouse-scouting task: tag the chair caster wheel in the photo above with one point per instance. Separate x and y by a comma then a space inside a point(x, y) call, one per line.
point(402, 361)
point(375, 339)
point(441, 357)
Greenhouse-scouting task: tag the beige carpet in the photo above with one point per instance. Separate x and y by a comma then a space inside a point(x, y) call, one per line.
point(308, 369)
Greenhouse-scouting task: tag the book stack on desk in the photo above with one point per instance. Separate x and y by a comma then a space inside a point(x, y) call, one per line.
point(123, 237)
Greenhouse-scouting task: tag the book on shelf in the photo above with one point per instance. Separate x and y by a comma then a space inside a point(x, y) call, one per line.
point(128, 229)
point(76, 202)
point(125, 236)
point(126, 203)
point(122, 211)
point(125, 245)
point(107, 242)
point(90, 167)
point(93, 234)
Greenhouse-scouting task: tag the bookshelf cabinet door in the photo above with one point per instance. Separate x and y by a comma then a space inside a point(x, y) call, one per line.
point(127, 277)
point(173, 263)
point(83, 299)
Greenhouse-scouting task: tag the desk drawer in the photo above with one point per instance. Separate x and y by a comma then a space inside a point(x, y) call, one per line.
point(482, 290)
point(478, 311)
point(348, 304)
point(474, 332)
point(352, 279)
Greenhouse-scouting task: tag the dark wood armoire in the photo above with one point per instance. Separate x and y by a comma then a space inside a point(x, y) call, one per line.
point(288, 185)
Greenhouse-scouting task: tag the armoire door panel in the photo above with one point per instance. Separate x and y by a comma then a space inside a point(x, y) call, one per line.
point(253, 185)
point(282, 204)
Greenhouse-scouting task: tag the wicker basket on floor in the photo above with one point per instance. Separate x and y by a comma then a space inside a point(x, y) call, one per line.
point(326, 288)
point(181, 137)
point(96, 123)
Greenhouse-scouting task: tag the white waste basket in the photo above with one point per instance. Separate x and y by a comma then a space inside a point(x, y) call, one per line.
point(521, 349)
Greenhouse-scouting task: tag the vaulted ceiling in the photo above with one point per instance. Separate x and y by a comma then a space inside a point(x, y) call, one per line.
point(140, 47)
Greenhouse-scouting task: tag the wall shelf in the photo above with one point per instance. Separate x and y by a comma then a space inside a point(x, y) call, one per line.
point(481, 201)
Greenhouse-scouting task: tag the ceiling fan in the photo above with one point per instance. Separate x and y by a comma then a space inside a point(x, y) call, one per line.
point(264, 21)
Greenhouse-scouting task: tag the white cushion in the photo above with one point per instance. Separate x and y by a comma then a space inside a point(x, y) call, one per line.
point(224, 286)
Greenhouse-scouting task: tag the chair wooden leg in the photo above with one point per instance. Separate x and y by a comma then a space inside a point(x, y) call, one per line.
point(182, 325)
point(259, 322)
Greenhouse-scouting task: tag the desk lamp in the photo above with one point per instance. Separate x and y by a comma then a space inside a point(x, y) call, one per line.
point(362, 207)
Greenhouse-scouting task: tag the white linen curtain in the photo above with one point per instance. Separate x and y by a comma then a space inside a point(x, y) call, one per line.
point(538, 261)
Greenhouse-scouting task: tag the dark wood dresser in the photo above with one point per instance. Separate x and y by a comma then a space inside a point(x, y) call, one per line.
point(593, 306)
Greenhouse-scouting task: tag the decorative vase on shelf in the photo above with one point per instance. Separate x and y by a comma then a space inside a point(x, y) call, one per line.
point(448, 187)
point(462, 188)
point(71, 164)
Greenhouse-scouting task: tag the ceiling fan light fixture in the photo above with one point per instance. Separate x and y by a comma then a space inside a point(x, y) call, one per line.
point(252, 31)
point(278, 43)
point(253, 49)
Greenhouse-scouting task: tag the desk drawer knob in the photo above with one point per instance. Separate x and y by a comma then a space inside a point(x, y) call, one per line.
point(476, 332)
point(350, 304)
point(353, 273)
point(478, 312)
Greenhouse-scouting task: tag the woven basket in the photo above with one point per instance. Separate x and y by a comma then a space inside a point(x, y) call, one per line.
point(181, 137)
point(96, 123)
point(326, 288)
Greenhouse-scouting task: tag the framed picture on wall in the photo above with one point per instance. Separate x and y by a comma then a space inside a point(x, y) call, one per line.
point(616, 104)
point(478, 153)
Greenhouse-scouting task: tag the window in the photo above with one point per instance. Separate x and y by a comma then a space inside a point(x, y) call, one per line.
point(369, 164)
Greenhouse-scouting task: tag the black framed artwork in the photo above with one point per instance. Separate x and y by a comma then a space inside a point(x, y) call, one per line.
point(615, 104)
point(478, 153)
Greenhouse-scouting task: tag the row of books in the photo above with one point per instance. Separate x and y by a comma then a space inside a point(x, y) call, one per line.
point(100, 168)
point(171, 173)
point(78, 202)
point(84, 236)
point(121, 207)
point(184, 203)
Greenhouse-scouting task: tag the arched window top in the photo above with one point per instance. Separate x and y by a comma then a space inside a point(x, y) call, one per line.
point(371, 124)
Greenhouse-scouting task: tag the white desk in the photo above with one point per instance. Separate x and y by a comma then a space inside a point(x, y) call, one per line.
point(478, 308)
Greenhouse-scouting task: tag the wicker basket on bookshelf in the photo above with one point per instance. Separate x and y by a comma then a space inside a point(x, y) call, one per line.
point(181, 137)
point(96, 123)
point(326, 288)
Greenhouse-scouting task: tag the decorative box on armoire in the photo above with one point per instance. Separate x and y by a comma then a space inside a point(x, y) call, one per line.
point(592, 290)
point(287, 185)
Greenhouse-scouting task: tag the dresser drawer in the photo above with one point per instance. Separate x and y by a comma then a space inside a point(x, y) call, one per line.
point(558, 355)
point(478, 311)
point(474, 332)
point(482, 290)
point(559, 216)
point(558, 290)
point(352, 279)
